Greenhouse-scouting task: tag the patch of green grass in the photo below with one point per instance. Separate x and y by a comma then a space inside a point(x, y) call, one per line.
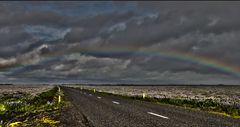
point(12, 106)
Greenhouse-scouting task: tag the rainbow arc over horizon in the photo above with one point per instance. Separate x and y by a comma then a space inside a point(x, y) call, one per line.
point(183, 56)
point(174, 55)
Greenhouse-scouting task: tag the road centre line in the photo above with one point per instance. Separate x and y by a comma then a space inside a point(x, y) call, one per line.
point(115, 102)
point(99, 97)
point(151, 113)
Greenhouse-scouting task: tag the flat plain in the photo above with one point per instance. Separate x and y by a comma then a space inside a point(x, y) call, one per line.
point(95, 105)
point(28, 89)
point(229, 95)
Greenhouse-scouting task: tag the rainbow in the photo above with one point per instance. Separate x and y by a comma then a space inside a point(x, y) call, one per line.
point(174, 55)
point(178, 55)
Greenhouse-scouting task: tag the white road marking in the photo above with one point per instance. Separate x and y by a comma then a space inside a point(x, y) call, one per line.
point(158, 115)
point(90, 94)
point(115, 102)
point(99, 97)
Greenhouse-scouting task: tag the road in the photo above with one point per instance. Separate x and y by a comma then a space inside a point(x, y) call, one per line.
point(110, 111)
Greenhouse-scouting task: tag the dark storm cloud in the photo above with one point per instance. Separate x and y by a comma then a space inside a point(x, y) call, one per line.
point(177, 21)
point(13, 40)
point(7, 34)
point(211, 16)
point(31, 57)
point(75, 66)
point(91, 27)
point(94, 41)
point(18, 17)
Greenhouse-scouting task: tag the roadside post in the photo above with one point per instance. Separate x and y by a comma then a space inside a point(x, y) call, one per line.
point(94, 90)
point(143, 95)
point(59, 97)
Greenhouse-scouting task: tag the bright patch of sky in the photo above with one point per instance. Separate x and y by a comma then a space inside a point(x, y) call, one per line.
point(46, 33)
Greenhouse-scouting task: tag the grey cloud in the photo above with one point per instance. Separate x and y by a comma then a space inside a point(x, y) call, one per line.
point(7, 34)
point(160, 64)
point(31, 18)
point(46, 33)
point(45, 41)
point(176, 21)
point(78, 65)
point(7, 62)
point(201, 44)
point(32, 57)
point(13, 40)
point(117, 27)
point(88, 28)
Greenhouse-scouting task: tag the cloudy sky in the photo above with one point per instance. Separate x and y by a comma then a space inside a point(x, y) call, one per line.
point(120, 42)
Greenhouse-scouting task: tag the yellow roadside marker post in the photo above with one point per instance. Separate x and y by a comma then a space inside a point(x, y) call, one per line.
point(94, 90)
point(59, 97)
point(143, 95)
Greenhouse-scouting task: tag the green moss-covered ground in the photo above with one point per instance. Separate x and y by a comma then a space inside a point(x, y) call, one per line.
point(29, 111)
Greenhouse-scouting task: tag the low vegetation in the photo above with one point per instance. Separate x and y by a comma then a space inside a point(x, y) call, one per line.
point(23, 109)
point(223, 94)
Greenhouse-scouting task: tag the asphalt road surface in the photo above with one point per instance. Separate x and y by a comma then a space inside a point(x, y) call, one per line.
point(102, 110)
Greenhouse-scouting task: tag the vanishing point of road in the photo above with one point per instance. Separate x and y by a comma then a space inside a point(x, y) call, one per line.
point(103, 110)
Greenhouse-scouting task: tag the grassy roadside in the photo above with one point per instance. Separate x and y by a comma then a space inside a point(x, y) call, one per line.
point(208, 105)
point(26, 110)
